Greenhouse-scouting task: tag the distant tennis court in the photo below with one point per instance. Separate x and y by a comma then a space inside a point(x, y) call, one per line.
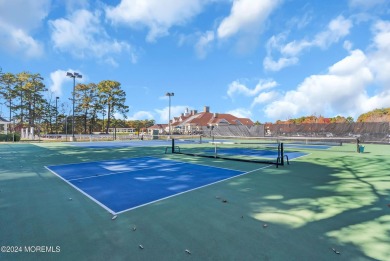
point(121, 185)
point(130, 143)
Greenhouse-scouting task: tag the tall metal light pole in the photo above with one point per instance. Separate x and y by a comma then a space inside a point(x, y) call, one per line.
point(57, 117)
point(74, 76)
point(169, 94)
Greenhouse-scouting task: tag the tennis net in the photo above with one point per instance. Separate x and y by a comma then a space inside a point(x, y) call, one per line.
point(326, 141)
point(267, 153)
point(179, 138)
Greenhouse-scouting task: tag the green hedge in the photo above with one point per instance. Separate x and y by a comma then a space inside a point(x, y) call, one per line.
point(9, 137)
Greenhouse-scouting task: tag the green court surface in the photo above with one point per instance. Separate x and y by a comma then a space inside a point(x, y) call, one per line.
point(329, 205)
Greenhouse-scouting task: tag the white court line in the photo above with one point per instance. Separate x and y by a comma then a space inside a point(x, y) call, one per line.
point(125, 171)
point(151, 202)
point(300, 156)
point(87, 162)
point(204, 165)
point(84, 193)
point(180, 193)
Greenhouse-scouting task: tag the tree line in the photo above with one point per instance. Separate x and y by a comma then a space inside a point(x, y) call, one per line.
point(97, 106)
point(315, 119)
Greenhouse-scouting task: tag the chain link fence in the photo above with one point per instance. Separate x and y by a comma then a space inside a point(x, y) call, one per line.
point(368, 132)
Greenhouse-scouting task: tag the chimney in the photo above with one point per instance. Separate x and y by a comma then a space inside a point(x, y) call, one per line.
point(192, 112)
point(195, 112)
point(206, 109)
point(215, 115)
point(182, 114)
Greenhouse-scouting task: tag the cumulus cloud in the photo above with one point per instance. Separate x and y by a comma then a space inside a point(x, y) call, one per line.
point(17, 40)
point(158, 16)
point(241, 113)
point(236, 87)
point(289, 52)
point(380, 57)
point(203, 44)
point(24, 14)
point(340, 90)
point(141, 115)
point(264, 98)
point(57, 80)
point(246, 19)
point(175, 111)
point(83, 36)
point(344, 90)
point(357, 83)
point(246, 16)
point(16, 26)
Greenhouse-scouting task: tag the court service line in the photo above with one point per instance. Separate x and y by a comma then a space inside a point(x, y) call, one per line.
point(84, 193)
point(87, 162)
point(125, 171)
point(180, 193)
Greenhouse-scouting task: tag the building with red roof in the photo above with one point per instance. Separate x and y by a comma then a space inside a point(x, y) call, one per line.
point(193, 122)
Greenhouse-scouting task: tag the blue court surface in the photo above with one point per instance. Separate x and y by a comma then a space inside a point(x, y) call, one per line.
point(307, 146)
point(121, 185)
point(286, 145)
point(260, 153)
point(135, 143)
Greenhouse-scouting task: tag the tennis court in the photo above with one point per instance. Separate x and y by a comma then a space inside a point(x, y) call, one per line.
point(328, 203)
point(133, 143)
point(122, 185)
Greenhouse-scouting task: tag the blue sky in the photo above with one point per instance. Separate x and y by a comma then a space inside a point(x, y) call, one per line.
point(262, 59)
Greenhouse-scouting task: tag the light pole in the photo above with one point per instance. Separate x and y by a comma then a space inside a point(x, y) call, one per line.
point(169, 94)
point(74, 76)
point(57, 117)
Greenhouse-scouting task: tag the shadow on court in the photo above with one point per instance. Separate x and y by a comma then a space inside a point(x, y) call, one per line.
point(319, 205)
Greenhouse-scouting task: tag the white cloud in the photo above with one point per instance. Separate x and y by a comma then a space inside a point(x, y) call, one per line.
point(17, 40)
point(240, 88)
point(343, 90)
point(73, 5)
point(281, 63)
point(281, 110)
point(241, 113)
point(380, 62)
point(246, 19)
point(348, 45)
point(141, 115)
point(246, 16)
point(16, 26)
point(24, 14)
point(83, 36)
point(265, 97)
point(58, 78)
point(336, 30)
point(158, 16)
point(377, 101)
point(175, 111)
point(358, 83)
point(203, 44)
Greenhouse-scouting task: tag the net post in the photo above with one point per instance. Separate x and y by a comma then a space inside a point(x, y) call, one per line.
point(282, 154)
point(173, 146)
point(357, 145)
